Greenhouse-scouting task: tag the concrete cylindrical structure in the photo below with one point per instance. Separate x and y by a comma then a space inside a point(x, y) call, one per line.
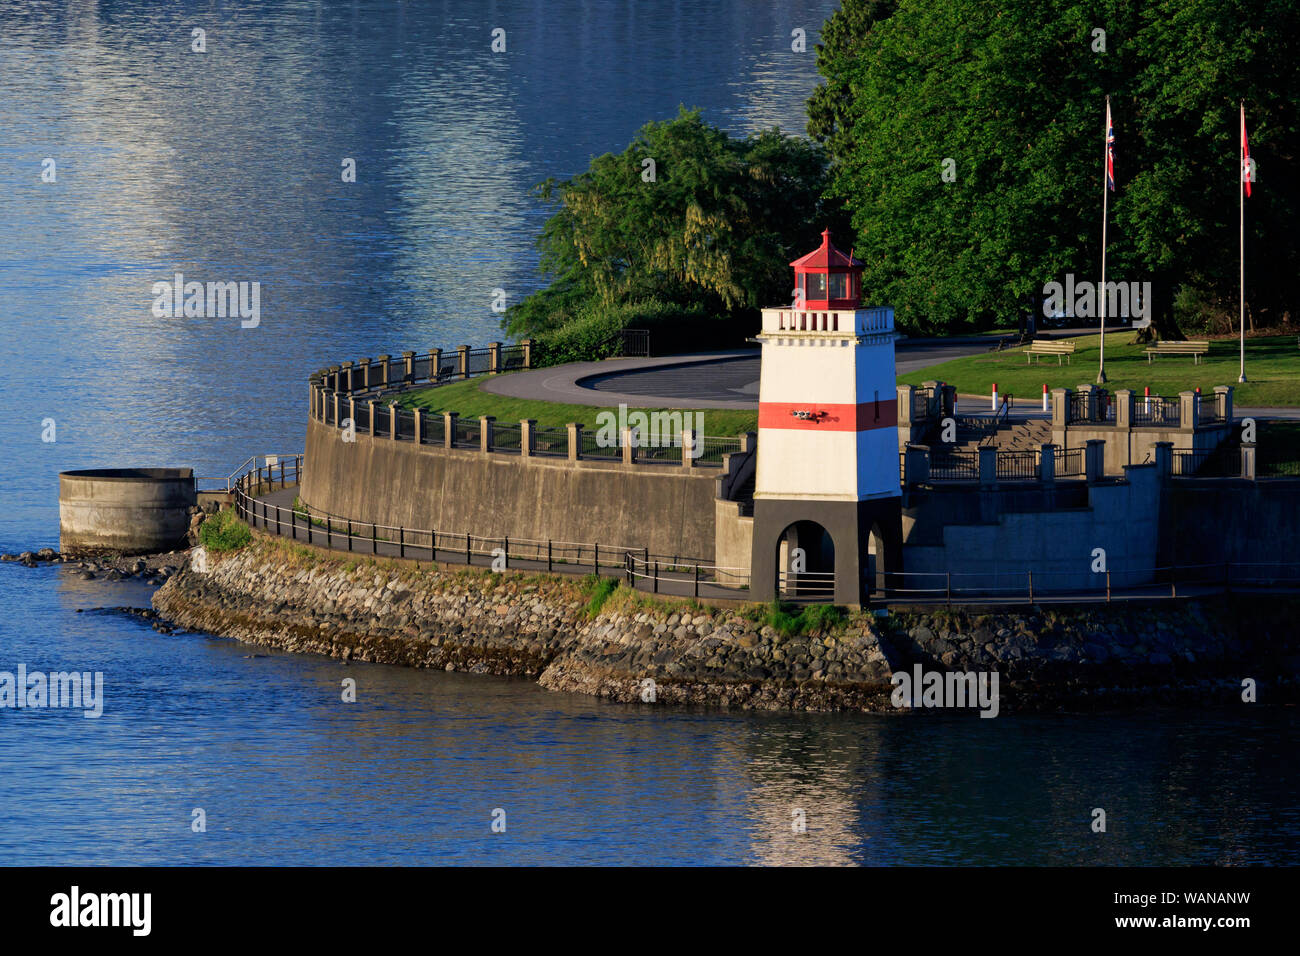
point(130, 510)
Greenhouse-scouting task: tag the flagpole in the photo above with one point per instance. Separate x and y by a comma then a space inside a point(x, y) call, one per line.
point(1241, 239)
point(1105, 203)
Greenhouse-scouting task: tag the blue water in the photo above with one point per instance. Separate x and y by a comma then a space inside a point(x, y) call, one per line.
point(225, 166)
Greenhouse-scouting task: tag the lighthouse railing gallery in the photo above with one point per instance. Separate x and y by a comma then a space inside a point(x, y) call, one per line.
point(361, 393)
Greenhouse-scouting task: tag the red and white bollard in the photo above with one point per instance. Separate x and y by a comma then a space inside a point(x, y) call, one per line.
point(1045, 405)
point(995, 396)
point(1146, 398)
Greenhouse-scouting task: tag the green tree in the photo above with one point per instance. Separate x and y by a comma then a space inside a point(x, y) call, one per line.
point(1013, 96)
point(712, 225)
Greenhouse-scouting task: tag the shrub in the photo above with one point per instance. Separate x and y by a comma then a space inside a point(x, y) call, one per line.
point(599, 590)
point(224, 531)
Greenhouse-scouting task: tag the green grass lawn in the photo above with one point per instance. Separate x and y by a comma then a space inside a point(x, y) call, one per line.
point(1272, 365)
point(470, 401)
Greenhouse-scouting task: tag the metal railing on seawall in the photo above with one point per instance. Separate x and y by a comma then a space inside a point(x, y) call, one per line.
point(680, 575)
point(300, 522)
point(361, 393)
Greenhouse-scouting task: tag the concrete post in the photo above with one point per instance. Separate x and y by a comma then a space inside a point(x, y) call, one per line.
point(1247, 459)
point(352, 410)
point(1223, 402)
point(383, 369)
point(347, 377)
point(485, 432)
point(988, 467)
point(749, 441)
point(462, 361)
point(408, 360)
point(1124, 408)
point(363, 372)
point(575, 440)
point(392, 420)
point(435, 360)
point(1187, 411)
point(629, 449)
point(1164, 459)
point(419, 425)
point(527, 437)
point(688, 445)
point(528, 352)
point(1094, 459)
point(1047, 464)
point(370, 408)
point(1061, 408)
point(449, 429)
point(336, 408)
point(905, 407)
point(494, 357)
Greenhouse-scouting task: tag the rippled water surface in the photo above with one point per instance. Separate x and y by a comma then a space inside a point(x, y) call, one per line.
point(225, 166)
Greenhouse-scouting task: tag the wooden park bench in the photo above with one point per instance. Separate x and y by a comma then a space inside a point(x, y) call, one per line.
point(1046, 347)
point(1193, 347)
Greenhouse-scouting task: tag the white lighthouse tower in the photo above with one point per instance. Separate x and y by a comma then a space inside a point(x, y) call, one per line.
point(827, 502)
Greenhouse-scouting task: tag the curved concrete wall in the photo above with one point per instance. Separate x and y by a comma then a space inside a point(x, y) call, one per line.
point(132, 510)
point(667, 509)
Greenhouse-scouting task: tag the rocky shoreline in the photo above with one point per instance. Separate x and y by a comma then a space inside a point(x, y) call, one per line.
point(580, 636)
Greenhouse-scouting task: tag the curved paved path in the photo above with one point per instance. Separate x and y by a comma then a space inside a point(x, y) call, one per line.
point(702, 380)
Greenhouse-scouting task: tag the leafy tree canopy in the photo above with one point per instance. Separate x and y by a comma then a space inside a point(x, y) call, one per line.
point(711, 225)
point(1013, 95)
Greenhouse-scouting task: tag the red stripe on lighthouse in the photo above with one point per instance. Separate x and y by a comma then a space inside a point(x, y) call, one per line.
point(865, 416)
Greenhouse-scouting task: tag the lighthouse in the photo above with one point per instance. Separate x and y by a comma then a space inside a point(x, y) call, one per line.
point(827, 502)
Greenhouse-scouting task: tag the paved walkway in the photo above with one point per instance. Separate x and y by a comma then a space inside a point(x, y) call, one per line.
point(703, 380)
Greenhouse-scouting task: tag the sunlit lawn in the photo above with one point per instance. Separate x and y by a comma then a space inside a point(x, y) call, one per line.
point(1272, 367)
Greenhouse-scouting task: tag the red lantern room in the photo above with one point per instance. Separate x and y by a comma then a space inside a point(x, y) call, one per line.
point(827, 279)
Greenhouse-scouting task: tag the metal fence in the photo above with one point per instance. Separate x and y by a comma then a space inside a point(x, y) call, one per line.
point(677, 574)
point(955, 466)
point(1155, 410)
point(348, 392)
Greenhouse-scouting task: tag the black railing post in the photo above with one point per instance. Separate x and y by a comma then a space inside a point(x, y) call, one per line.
point(349, 534)
point(595, 560)
point(1031, 587)
point(469, 550)
point(329, 532)
point(697, 579)
point(656, 578)
point(401, 542)
point(548, 554)
point(374, 539)
point(505, 551)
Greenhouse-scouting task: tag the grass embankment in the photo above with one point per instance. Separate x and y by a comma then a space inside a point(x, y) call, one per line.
point(469, 401)
point(1272, 365)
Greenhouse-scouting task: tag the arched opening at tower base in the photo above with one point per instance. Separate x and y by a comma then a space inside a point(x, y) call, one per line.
point(805, 563)
point(850, 549)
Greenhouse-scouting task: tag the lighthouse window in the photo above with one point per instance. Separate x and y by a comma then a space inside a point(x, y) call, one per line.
point(816, 286)
point(839, 285)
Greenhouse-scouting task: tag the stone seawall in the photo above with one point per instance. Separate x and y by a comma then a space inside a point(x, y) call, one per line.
point(572, 635)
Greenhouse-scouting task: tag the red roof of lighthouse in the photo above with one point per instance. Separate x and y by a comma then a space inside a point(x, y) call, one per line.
point(827, 257)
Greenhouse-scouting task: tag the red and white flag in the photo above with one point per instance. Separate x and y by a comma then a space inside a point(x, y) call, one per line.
point(1247, 174)
point(1110, 148)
